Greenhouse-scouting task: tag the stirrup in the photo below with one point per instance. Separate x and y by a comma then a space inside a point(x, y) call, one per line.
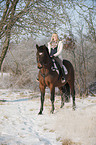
point(52, 68)
point(63, 80)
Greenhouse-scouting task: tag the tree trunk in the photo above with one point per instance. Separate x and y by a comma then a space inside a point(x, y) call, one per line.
point(4, 50)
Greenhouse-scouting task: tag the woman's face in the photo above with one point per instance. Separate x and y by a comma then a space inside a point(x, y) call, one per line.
point(55, 38)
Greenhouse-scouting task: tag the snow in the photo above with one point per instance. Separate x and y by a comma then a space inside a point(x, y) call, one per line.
point(20, 123)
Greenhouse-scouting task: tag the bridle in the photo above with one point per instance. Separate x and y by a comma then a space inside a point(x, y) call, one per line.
point(44, 75)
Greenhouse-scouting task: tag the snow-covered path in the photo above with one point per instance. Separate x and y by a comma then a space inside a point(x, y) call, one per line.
point(20, 123)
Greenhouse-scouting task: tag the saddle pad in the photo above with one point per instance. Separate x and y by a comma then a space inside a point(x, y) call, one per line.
point(55, 67)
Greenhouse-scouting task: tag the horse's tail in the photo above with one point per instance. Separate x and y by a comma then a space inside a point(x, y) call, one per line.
point(71, 76)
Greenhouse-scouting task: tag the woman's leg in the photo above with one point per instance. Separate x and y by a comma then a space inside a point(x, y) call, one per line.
point(62, 68)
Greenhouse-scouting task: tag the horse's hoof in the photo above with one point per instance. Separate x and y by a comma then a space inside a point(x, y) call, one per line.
point(40, 113)
point(61, 106)
point(74, 108)
point(52, 111)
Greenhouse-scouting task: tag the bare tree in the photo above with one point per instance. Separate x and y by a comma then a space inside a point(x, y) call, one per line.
point(32, 16)
point(8, 20)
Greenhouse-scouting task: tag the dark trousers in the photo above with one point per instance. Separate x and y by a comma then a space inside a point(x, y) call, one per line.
point(60, 62)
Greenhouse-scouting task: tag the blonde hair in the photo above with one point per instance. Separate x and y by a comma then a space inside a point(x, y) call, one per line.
point(53, 35)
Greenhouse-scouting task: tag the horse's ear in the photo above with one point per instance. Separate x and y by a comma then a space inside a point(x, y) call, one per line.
point(44, 46)
point(37, 46)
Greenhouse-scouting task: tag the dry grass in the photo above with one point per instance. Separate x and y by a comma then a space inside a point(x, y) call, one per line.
point(51, 130)
point(69, 142)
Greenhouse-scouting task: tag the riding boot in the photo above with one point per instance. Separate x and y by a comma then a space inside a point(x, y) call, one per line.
point(63, 75)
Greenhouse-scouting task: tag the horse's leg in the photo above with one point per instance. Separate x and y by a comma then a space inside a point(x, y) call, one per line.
point(52, 98)
point(67, 93)
point(42, 99)
point(73, 95)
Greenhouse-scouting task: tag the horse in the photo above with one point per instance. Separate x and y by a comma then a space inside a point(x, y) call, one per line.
point(49, 78)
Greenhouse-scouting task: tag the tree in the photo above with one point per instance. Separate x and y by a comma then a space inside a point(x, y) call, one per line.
point(8, 20)
point(25, 18)
point(31, 16)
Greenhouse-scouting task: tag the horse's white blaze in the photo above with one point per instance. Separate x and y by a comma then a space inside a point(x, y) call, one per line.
point(40, 53)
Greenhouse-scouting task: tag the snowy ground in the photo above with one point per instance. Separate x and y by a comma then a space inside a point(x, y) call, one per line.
point(20, 123)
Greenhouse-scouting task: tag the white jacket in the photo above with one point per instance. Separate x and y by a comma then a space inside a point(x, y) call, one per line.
point(59, 49)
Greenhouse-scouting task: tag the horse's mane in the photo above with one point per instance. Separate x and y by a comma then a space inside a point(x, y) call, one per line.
point(47, 50)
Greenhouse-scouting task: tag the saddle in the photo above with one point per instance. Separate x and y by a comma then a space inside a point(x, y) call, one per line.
point(56, 67)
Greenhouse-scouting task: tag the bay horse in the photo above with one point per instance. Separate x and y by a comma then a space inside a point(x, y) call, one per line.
point(51, 79)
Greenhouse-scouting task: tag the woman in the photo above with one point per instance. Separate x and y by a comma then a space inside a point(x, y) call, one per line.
point(55, 48)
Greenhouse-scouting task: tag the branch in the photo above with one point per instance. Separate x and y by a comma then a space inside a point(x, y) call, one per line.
point(6, 23)
point(5, 11)
point(22, 12)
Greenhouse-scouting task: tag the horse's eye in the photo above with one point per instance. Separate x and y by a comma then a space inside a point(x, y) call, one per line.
point(40, 53)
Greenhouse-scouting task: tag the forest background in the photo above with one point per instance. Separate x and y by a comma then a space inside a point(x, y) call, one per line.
point(25, 23)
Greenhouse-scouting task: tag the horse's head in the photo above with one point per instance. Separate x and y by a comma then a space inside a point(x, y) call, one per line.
point(42, 55)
